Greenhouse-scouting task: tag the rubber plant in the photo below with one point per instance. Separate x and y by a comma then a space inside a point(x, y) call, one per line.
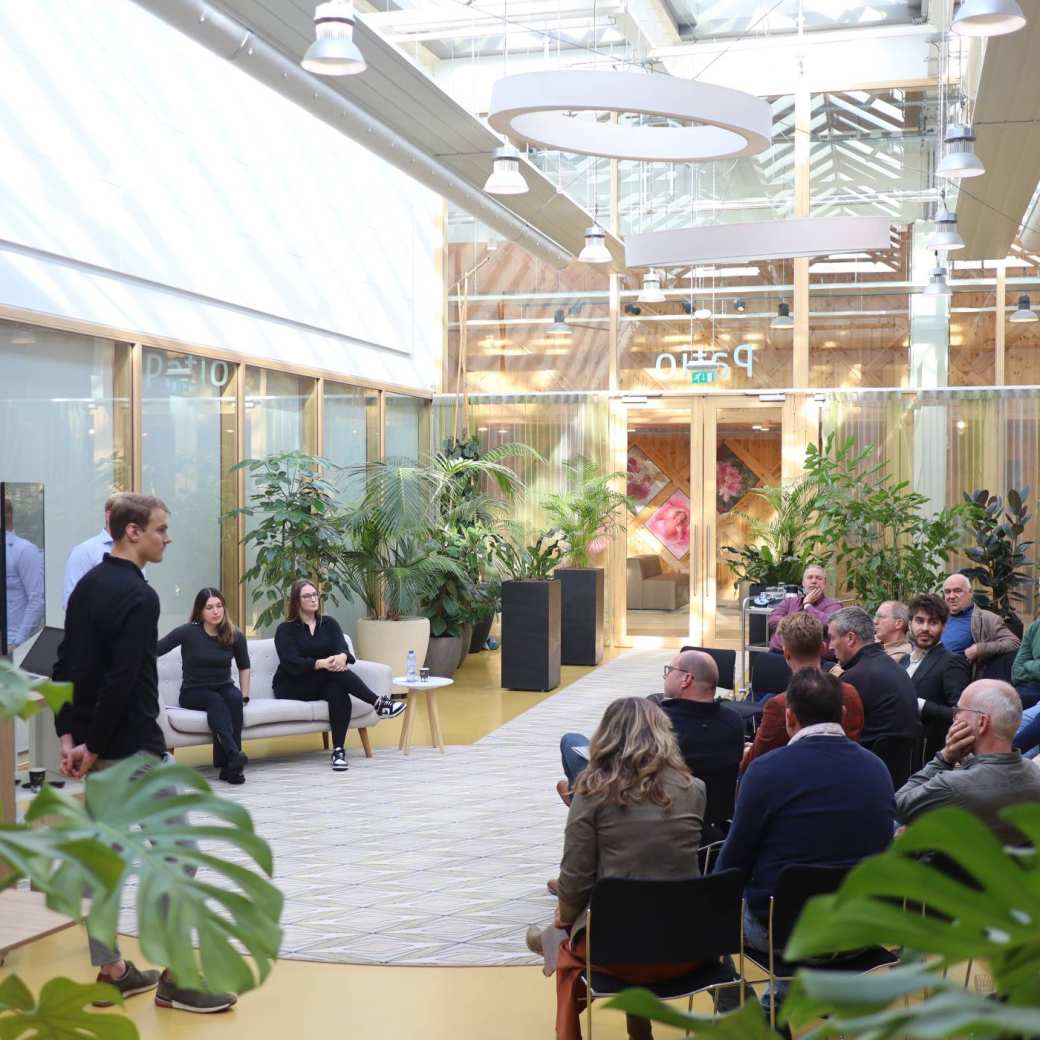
point(987, 909)
point(1001, 564)
point(122, 832)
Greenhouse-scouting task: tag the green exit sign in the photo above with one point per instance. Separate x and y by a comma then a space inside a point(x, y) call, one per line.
point(704, 376)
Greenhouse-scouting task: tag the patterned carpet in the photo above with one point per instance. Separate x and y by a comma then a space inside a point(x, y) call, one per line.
point(428, 859)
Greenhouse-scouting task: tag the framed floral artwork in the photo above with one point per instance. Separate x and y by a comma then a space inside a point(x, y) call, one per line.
point(733, 480)
point(670, 524)
point(645, 478)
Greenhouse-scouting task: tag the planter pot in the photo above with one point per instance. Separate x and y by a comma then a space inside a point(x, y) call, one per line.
point(442, 657)
point(581, 614)
point(465, 638)
point(481, 631)
point(389, 641)
point(530, 635)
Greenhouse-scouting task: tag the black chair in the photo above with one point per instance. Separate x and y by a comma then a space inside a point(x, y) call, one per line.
point(795, 886)
point(725, 660)
point(770, 674)
point(898, 754)
point(664, 922)
point(721, 796)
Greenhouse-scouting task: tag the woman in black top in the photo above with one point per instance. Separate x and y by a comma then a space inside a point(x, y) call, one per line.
point(314, 665)
point(209, 642)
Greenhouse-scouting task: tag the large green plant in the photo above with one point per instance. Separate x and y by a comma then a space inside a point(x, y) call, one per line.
point(529, 562)
point(992, 918)
point(298, 531)
point(120, 832)
point(591, 509)
point(875, 528)
point(999, 553)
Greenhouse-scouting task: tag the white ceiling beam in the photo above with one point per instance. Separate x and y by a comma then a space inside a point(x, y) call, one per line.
point(648, 24)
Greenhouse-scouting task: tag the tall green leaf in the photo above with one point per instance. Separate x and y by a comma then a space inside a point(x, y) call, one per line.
point(62, 1012)
point(748, 1023)
point(16, 693)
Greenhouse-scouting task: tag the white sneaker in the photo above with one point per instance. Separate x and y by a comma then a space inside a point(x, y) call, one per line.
point(339, 760)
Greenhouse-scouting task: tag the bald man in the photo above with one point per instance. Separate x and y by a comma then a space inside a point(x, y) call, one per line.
point(977, 769)
point(980, 635)
point(814, 601)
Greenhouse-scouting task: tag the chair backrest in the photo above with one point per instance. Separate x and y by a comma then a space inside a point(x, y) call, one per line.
point(770, 674)
point(998, 667)
point(721, 794)
point(725, 661)
point(665, 922)
point(795, 886)
point(898, 755)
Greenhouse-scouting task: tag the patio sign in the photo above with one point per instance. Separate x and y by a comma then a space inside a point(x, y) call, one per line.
point(706, 366)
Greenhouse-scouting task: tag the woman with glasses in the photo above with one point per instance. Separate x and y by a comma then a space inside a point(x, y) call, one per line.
point(314, 665)
point(209, 642)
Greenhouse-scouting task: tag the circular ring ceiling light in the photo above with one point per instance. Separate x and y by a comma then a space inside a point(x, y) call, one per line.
point(535, 106)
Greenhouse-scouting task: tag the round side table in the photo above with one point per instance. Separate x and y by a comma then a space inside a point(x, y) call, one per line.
point(429, 687)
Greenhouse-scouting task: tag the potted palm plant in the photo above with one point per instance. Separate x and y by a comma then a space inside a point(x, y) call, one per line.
point(584, 517)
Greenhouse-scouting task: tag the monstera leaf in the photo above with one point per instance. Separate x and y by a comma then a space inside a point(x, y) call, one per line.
point(141, 816)
point(16, 689)
point(746, 1024)
point(61, 1013)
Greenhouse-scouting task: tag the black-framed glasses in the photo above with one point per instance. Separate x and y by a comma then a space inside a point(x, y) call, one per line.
point(974, 711)
point(310, 595)
point(669, 668)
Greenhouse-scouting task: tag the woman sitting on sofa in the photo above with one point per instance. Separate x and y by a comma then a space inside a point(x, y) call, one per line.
point(636, 813)
point(314, 665)
point(209, 643)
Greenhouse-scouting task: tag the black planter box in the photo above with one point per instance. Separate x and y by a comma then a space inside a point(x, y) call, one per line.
point(581, 614)
point(530, 635)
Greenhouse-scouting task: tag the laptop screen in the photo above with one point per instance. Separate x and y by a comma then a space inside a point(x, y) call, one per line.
point(43, 654)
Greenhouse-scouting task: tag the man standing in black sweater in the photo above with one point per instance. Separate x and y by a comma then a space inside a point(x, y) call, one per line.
point(109, 654)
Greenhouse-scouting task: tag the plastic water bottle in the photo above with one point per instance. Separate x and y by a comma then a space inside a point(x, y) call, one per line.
point(411, 669)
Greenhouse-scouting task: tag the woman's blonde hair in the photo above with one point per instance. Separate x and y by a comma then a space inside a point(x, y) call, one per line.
point(629, 754)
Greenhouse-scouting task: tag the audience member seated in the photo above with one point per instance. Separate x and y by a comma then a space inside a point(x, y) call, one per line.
point(1025, 672)
point(1027, 739)
point(209, 643)
point(804, 644)
point(814, 601)
point(709, 731)
point(977, 769)
point(636, 813)
point(939, 676)
point(978, 634)
point(821, 800)
point(889, 700)
point(314, 665)
point(892, 627)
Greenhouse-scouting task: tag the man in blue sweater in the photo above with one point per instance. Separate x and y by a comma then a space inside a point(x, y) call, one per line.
point(821, 800)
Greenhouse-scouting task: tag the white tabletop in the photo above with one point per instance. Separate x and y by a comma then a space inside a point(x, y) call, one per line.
point(432, 683)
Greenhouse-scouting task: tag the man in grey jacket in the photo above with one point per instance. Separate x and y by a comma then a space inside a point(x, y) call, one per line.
point(977, 768)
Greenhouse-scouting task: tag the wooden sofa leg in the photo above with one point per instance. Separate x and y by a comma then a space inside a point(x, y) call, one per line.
point(325, 739)
point(365, 742)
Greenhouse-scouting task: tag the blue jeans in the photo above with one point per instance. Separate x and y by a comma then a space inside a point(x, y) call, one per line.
point(573, 763)
point(1027, 738)
point(1030, 694)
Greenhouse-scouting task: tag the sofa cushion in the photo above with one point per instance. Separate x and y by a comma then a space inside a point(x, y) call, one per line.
point(270, 710)
point(184, 720)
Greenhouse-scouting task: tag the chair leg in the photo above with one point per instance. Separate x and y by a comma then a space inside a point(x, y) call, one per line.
point(325, 739)
point(365, 742)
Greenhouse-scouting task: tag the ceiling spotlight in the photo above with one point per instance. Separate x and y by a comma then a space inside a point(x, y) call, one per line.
point(506, 178)
point(739, 305)
point(937, 284)
point(595, 251)
point(701, 313)
point(559, 326)
point(783, 319)
point(1025, 312)
point(945, 236)
point(960, 159)
point(631, 308)
point(987, 18)
point(651, 292)
point(334, 52)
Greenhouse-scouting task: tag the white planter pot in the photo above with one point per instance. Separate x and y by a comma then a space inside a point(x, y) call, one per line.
point(389, 641)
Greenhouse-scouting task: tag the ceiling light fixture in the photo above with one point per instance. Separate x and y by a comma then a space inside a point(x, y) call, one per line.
point(783, 319)
point(506, 178)
point(820, 398)
point(634, 399)
point(945, 236)
point(651, 292)
point(334, 52)
point(1025, 313)
point(987, 18)
point(559, 326)
point(772, 398)
point(960, 159)
point(937, 284)
point(739, 305)
point(595, 250)
point(701, 313)
point(633, 309)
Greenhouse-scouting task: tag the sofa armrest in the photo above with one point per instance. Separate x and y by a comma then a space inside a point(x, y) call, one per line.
point(164, 725)
point(377, 677)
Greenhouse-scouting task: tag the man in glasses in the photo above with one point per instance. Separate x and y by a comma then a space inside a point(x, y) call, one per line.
point(977, 768)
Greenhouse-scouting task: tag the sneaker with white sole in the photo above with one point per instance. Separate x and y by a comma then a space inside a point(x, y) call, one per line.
point(339, 760)
point(388, 708)
point(132, 982)
point(170, 995)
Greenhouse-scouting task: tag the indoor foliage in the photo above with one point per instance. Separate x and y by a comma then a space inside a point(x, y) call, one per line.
point(534, 562)
point(939, 918)
point(589, 511)
point(121, 830)
point(999, 552)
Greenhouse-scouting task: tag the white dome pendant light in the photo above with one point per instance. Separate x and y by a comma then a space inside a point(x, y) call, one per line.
point(506, 178)
point(937, 284)
point(334, 52)
point(651, 291)
point(783, 319)
point(960, 159)
point(945, 237)
point(595, 250)
point(988, 18)
point(1025, 313)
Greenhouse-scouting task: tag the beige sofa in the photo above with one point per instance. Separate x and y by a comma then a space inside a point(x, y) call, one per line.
point(651, 589)
point(265, 715)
